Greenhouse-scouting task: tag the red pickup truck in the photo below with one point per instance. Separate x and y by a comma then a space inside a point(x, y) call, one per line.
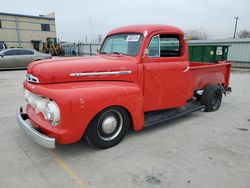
point(141, 77)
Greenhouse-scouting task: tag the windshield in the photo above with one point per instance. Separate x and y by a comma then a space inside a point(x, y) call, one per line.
point(128, 44)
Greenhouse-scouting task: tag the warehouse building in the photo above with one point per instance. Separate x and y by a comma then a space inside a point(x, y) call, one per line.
point(25, 31)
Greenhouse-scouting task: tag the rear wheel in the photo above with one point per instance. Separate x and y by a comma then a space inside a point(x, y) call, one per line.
point(108, 128)
point(211, 98)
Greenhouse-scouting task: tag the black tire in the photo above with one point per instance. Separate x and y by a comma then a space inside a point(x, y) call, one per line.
point(108, 128)
point(211, 98)
point(198, 97)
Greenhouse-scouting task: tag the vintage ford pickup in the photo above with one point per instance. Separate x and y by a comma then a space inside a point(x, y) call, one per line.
point(140, 77)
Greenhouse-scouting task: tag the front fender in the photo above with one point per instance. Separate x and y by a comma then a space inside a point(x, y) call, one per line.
point(80, 102)
point(99, 96)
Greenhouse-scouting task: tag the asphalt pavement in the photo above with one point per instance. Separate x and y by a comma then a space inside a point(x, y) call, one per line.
point(203, 150)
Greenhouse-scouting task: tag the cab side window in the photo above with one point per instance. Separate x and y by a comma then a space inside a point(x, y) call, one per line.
point(165, 46)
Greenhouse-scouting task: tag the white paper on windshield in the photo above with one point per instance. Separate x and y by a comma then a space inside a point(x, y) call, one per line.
point(133, 38)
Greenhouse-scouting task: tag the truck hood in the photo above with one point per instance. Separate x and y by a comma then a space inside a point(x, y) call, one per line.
point(102, 67)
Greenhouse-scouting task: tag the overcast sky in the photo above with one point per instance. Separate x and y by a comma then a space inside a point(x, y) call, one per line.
point(75, 18)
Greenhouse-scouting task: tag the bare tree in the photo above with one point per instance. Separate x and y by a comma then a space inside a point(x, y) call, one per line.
point(197, 34)
point(244, 34)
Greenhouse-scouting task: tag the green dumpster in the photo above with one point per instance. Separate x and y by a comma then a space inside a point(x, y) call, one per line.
point(207, 52)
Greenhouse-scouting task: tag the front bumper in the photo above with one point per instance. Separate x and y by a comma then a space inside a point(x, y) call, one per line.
point(33, 133)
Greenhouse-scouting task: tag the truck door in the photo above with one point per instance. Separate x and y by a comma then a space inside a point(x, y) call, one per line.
point(165, 72)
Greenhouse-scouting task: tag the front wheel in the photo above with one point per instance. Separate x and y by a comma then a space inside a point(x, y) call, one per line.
point(108, 128)
point(211, 98)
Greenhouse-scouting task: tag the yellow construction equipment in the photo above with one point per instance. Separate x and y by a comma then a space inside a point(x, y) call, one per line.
point(53, 47)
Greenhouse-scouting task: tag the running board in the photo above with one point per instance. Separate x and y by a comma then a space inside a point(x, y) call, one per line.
point(162, 116)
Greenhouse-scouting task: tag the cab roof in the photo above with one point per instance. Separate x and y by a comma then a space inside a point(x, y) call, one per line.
point(149, 28)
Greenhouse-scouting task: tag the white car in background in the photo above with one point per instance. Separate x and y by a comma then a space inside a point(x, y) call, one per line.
point(20, 58)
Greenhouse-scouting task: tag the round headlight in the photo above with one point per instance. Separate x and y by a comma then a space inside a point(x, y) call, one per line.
point(40, 105)
point(49, 111)
point(32, 99)
point(52, 112)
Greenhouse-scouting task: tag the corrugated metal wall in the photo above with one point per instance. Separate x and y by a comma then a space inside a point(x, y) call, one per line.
point(239, 52)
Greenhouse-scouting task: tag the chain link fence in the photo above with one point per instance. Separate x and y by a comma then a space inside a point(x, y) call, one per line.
point(80, 49)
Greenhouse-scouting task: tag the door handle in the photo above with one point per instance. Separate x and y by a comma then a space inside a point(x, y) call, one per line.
point(186, 69)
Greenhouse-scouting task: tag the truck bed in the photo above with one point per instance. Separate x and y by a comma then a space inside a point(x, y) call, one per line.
point(203, 74)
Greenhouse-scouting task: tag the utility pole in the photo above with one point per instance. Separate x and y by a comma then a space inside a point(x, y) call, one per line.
point(99, 38)
point(235, 28)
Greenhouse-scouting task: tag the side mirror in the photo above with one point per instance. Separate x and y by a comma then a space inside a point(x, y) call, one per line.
point(97, 51)
point(2, 55)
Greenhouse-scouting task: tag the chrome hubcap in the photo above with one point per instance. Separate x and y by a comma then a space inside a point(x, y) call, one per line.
point(109, 124)
point(109, 127)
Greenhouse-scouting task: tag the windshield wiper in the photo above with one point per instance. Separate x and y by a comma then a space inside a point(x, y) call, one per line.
point(117, 53)
point(114, 52)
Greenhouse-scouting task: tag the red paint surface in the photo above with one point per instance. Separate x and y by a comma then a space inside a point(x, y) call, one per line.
point(154, 84)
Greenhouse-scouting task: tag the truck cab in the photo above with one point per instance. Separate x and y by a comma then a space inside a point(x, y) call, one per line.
point(141, 77)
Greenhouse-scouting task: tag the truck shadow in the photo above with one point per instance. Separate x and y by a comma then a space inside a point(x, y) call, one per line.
point(82, 147)
point(162, 126)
